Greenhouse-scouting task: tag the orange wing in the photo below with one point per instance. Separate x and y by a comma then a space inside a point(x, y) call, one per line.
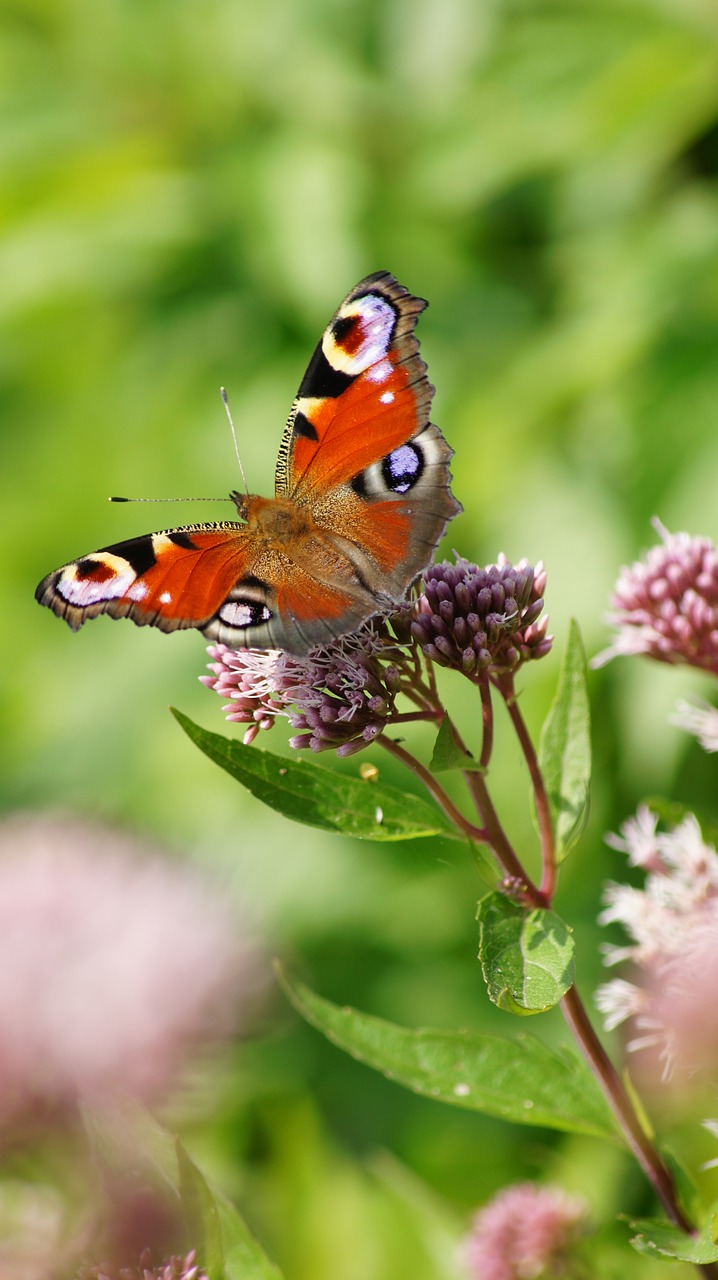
point(359, 450)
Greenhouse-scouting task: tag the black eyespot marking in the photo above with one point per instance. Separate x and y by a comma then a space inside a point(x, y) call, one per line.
point(251, 580)
point(402, 468)
point(303, 427)
point(258, 612)
point(322, 379)
point(342, 327)
point(85, 568)
point(138, 552)
point(358, 484)
point(181, 539)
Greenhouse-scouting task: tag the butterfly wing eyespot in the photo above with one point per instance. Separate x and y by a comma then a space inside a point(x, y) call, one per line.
point(362, 497)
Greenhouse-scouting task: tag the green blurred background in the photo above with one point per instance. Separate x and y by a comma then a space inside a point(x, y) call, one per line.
point(188, 190)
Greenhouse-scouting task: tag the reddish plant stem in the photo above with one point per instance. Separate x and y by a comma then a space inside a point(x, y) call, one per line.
point(487, 718)
point(468, 829)
point(431, 677)
point(403, 717)
point(492, 833)
point(499, 842)
point(643, 1149)
point(543, 811)
point(573, 1008)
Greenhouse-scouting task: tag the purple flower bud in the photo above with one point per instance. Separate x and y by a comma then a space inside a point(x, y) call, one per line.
point(462, 634)
point(445, 647)
point(468, 661)
point(488, 620)
point(392, 676)
point(533, 612)
point(351, 748)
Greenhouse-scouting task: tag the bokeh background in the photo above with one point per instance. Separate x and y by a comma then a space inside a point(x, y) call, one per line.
point(188, 189)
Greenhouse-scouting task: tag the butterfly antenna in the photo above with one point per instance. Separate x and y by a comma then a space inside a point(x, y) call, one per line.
point(115, 499)
point(225, 402)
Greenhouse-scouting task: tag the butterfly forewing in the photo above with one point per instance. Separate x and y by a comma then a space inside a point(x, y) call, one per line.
point(170, 579)
point(365, 392)
point(359, 448)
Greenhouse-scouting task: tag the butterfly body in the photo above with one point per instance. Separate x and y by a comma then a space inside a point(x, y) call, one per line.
point(361, 499)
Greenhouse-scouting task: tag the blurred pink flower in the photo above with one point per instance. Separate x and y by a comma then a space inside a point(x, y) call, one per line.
point(700, 719)
point(39, 1236)
point(115, 962)
point(666, 605)
point(672, 923)
point(524, 1232)
point(175, 1268)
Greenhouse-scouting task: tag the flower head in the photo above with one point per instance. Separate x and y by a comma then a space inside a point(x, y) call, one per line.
point(340, 696)
point(115, 962)
point(666, 605)
point(672, 925)
point(482, 621)
point(343, 695)
point(525, 1232)
point(175, 1268)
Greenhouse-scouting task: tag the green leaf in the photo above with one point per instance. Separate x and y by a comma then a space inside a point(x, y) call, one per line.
point(125, 1139)
point(319, 797)
point(689, 1196)
point(660, 1239)
point(228, 1249)
point(519, 1080)
point(127, 1142)
point(448, 752)
point(526, 956)
point(565, 748)
point(200, 1208)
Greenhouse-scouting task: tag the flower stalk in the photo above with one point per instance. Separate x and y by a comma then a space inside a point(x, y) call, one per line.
point(484, 624)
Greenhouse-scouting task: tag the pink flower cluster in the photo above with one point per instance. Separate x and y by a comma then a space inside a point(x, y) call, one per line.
point(672, 923)
point(666, 605)
point(482, 622)
point(525, 1232)
point(175, 1268)
point(340, 696)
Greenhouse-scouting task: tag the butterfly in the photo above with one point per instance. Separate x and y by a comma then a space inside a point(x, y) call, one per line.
point(362, 497)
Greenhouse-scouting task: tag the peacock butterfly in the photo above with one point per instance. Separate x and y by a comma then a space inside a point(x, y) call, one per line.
point(361, 499)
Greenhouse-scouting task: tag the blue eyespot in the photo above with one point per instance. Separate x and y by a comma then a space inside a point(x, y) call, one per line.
point(402, 467)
